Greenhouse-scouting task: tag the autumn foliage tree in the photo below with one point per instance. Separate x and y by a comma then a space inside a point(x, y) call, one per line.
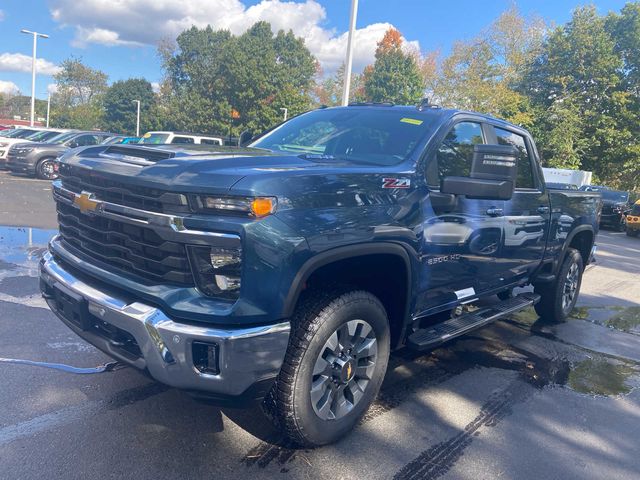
point(395, 75)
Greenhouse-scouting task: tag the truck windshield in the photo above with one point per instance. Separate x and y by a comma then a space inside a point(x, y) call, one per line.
point(358, 135)
point(154, 138)
point(614, 196)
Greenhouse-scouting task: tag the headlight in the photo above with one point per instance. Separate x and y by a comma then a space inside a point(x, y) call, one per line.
point(216, 270)
point(255, 206)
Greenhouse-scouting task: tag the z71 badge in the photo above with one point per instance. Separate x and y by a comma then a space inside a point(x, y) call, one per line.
point(396, 182)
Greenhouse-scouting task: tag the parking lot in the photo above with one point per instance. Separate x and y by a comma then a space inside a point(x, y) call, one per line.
point(519, 399)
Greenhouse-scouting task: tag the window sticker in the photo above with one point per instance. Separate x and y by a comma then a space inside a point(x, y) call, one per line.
point(412, 121)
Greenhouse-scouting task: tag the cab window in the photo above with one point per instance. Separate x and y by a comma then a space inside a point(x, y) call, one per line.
point(210, 141)
point(525, 173)
point(177, 139)
point(455, 153)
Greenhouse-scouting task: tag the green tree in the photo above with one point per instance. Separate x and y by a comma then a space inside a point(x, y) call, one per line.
point(120, 108)
point(213, 76)
point(77, 102)
point(395, 76)
point(576, 84)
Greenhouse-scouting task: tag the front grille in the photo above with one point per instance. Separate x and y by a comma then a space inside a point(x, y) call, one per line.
point(130, 248)
point(109, 190)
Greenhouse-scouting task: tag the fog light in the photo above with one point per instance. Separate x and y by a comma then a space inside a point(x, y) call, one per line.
point(205, 357)
point(227, 283)
point(216, 270)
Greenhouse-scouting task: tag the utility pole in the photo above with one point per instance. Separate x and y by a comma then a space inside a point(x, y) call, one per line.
point(48, 107)
point(33, 70)
point(286, 112)
point(138, 119)
point(349, 61)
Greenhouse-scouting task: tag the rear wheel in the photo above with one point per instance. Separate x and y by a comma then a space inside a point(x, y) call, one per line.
point(559, 297)
point(334, 366)
point(46, 169)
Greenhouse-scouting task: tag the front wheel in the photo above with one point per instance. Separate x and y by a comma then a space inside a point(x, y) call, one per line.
point(46, 169)
point(559, 297)
point(334, 366)
point(632, 232)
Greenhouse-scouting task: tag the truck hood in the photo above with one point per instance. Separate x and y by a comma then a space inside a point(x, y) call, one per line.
point(249, 172)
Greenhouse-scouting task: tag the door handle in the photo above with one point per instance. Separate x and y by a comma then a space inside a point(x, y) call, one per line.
point(494, 212)
point(543, 210)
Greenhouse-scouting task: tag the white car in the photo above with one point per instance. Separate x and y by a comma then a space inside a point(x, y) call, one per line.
point(26, 135)
point(159, 138)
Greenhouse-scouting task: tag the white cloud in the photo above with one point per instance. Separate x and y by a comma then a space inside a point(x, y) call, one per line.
point(8, 87)
point(146, 22)
point(17, 62)
point(52, 88)
point(155, 86)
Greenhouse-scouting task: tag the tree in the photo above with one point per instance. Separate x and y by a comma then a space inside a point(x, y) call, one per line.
point(328, 90)
point(77, 102)
point(395, 76)
point(576, 85)
point(120, 108)
point(210, 73)
point(483, 74)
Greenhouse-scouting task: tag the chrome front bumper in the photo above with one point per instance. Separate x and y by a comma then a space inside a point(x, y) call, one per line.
point(246, 356)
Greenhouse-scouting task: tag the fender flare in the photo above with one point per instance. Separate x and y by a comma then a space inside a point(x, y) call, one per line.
point(341, 253)
point(569, 239)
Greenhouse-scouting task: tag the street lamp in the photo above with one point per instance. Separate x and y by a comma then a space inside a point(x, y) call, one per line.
point(137, 118)
point(33, 69)
point(349, 61)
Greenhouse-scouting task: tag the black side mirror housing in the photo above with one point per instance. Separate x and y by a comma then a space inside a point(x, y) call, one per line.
point(493, 174)
point(245, 138)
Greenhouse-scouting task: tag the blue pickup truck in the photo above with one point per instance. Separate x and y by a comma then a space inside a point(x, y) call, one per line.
point(293, 266)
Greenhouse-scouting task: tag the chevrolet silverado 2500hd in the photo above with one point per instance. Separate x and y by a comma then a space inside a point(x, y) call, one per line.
point(295, 265)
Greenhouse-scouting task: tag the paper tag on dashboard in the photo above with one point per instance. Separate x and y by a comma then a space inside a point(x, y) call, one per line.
point(465, 292)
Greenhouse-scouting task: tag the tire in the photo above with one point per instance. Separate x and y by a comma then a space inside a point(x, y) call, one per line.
point(559, 297)
point(622, 226)
point(632, 232)
point(44, 169)
point(322, 327)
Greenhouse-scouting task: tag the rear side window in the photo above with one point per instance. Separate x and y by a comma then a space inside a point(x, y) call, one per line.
point(525, 174)
point(210, 141)
point(455, 153)
point(84, 140)
point(177, 139)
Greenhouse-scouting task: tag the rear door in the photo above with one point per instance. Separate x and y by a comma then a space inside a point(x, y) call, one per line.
point(528, 213)
point(461, 237)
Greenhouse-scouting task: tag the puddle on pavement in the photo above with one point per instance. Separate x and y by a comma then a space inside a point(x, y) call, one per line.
point(21, 248)
point(627, 320)
point(599, 376)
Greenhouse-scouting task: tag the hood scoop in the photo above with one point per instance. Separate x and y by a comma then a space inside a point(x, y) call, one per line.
point(140, 156)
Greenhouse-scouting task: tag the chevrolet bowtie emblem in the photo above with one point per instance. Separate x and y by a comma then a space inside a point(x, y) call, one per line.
point(86, 203)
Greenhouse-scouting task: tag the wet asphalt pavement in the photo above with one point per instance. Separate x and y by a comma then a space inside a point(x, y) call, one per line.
point(518, 399)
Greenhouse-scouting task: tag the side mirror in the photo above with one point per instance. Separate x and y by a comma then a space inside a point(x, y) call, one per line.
point(245, 138)
point(493, 174)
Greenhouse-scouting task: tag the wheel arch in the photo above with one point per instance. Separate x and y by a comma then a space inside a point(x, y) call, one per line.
point(345, 257)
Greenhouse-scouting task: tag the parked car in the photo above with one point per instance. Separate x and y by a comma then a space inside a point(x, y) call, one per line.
point(633, 220)
point(290, 268)
point(561, 186)
point(39, 136)
point(120, 140)
point(38, 158)
point(615, 206)
point(157, 138)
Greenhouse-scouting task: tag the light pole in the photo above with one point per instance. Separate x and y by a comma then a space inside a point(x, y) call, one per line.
point(48, 107)
point(349, 61)
point(137, 118)
point(285, 111)
point(33, 69)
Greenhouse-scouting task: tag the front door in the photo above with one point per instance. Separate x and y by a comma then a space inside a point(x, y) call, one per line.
point(462, 238)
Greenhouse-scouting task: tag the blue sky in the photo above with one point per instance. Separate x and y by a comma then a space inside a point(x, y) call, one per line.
point(119, 39)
